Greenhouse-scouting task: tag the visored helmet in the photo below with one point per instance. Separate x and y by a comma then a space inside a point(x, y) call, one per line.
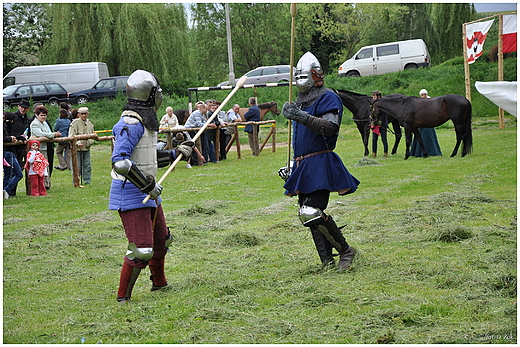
point(143, 88)
point(308, 72)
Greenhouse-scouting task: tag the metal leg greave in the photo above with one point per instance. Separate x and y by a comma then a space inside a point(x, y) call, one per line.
point(127, 280)
point(323, 246)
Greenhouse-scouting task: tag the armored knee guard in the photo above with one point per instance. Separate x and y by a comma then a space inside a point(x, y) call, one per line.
point(141, 253)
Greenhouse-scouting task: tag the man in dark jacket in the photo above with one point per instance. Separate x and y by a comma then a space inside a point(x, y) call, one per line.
point(252, 115)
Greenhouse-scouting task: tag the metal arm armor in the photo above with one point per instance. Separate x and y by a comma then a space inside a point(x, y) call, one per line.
point(132, 173)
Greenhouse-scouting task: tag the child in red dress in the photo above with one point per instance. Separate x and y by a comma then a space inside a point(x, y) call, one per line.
point(36, 166)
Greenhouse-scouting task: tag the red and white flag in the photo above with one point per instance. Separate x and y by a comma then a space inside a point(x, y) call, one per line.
point(475, 37)
point(509, 33)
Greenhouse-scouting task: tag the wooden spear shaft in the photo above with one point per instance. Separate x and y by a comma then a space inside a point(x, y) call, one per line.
point(240, 83)
point(291, 63)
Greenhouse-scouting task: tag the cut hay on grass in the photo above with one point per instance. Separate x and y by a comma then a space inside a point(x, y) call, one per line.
point(436, 263)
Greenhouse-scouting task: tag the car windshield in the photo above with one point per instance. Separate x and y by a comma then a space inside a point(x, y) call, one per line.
point(9, 90)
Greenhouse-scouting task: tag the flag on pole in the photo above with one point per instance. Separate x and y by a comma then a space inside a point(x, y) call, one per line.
point(509, 33)
point(475, 37)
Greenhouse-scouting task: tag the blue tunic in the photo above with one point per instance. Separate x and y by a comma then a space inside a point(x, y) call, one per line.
point(124, 195)
point(322, 171)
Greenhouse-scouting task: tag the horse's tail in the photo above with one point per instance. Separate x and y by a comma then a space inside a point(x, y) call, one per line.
point(468, 134)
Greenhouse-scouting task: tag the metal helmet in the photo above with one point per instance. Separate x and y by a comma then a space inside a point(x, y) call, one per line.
point(143, 88)
point(308, 72)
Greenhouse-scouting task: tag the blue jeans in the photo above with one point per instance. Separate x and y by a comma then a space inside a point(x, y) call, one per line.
point(13, 174)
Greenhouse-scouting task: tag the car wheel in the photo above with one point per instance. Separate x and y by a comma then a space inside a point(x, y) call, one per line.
point(81, 100)
point(353, 74)
point(53, 102)
point(410, 67)
point(6, 106)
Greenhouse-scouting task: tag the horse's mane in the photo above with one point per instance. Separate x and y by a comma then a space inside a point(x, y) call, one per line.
point(266, 104)
point(349, 92)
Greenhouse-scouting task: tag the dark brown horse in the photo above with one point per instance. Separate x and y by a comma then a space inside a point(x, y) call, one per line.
point(359, 106)
point(265, 108)
point(414, 113)
point(182, 115)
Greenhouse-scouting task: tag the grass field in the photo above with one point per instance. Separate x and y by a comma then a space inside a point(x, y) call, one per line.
point(436, 239)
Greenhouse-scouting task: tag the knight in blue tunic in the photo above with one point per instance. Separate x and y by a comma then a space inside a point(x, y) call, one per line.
point(317, 170)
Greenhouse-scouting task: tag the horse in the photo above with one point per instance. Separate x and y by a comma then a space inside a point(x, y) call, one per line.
point(359, 106)
point(414, 113)
point(182, 115)
point(264, 109)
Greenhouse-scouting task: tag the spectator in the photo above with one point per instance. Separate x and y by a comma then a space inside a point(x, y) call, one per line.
point(169, 120)
point(62, 125)
point(20, 130)
point(252, 115)
point(181, 137)
point(429, 137)
point(83, 126)
point(197, 120)
point(40, 128)
point(12, 171)
point(66, 107)
point(212, 133)
point(379, 127)
point(232, 116)
point(36, 167)
point(73, 114)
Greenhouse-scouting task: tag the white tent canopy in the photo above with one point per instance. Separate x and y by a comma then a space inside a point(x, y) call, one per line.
point(502, 94)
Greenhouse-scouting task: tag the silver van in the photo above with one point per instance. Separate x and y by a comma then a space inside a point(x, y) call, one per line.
point(73, 77)
point(386, 57)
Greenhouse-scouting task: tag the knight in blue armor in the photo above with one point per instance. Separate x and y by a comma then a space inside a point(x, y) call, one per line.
point(317, 170)
point(135, 160)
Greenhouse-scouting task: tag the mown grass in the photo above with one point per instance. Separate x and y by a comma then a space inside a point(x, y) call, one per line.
point(436, 239)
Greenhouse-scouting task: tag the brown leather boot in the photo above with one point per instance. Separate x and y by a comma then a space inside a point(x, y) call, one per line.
point(126, 282)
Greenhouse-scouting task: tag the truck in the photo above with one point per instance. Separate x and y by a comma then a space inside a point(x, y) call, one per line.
point(386, 57)
point(73, 77)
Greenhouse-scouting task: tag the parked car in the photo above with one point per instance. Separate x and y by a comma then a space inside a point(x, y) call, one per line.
point(48, 93)
point(266, 74)
point(104, 88)
point(386, 57)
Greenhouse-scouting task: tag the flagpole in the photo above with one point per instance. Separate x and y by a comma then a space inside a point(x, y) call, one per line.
point(466, 63)
point(500, 65)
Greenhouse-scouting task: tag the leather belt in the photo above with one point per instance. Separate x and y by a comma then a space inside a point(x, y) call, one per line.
point(298, 159)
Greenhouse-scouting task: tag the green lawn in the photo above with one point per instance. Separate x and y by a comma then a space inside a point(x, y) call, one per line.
point(436, 239)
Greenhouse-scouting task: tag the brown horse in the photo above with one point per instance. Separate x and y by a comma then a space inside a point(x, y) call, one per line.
point(359, 106)
point(182, 115)
point(414, 113)
point(264, 109)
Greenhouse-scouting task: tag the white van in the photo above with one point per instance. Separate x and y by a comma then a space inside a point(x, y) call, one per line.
point(73, 77)
point(385, 58)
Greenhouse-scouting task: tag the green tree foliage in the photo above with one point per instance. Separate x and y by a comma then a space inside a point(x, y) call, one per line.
point(260, 35)
point(126, 36)
point(26, 28)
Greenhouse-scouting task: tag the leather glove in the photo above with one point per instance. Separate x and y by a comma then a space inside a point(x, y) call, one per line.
point(293, 112)
point(153, 189)
point(185, 149)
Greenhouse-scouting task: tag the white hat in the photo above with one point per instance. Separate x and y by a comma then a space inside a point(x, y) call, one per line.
point(423, 91)
point(83, 110)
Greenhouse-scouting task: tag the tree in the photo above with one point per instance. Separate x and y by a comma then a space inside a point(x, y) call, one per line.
point(126, 36)
point(25, 31)
point(260, 33)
